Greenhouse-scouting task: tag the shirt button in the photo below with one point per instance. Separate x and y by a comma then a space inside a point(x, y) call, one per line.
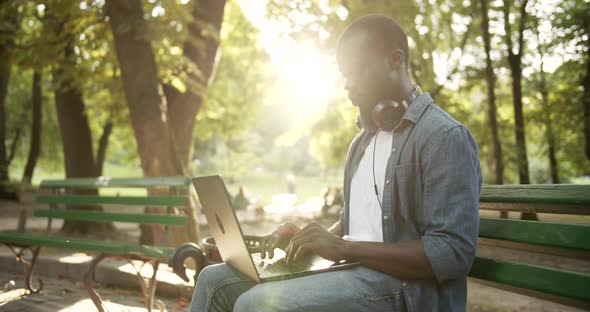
point(404, 284)
point(385, 218)
point(386, 181)
point(393, 150)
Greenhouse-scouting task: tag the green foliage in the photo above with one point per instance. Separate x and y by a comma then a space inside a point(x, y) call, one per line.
point(445, 31)
point(243, 125)
point(334, 134)
point(18, 109)
point(237, 92)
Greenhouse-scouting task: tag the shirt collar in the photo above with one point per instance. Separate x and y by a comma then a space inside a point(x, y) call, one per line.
point(417, 108)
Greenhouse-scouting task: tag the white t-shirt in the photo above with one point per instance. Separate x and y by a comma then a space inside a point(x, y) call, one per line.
point(365, 211)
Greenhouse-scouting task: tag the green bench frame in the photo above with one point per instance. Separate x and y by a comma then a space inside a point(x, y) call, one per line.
point(178, 199)
point(566, 240)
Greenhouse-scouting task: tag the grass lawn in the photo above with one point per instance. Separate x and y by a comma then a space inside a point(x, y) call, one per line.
point(262, 187)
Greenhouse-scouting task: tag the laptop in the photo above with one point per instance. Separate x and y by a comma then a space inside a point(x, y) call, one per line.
point(232, 246)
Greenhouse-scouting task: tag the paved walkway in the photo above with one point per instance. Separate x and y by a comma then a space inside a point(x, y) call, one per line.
point(65, 295)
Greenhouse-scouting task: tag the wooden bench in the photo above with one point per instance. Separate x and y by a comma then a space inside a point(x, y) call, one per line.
point(176, 198)
point(532, 238)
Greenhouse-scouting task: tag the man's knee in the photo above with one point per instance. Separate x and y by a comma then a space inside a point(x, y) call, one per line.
point(214, 275)
point(266, 297)
point(252, 301)
point(217, 288)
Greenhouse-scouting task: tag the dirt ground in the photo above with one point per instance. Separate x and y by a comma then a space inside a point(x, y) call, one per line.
point(64, 295)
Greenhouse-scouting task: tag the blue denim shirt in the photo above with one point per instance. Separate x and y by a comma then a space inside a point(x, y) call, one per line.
point(431, 192)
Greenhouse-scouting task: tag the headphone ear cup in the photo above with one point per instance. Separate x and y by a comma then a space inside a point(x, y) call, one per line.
point(386, 114)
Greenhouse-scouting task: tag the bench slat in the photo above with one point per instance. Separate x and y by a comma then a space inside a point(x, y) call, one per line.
point(572, 236)
point(84, 215)
point(571, 285)
point(112, 248)
point(540, 208)
point(168, 200)
point(117, 182)
point(562, 194)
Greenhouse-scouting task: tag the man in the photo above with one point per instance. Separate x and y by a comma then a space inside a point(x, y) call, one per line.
point(411, 190)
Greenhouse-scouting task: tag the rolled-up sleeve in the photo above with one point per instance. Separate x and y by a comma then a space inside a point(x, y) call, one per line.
point(452, 184)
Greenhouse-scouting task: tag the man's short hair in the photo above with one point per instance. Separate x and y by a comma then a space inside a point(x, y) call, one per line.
point(384, 34)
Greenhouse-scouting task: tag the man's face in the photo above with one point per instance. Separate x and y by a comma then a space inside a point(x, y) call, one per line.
point(367, 75)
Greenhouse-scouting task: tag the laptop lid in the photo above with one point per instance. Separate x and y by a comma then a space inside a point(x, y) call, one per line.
point(224, 224)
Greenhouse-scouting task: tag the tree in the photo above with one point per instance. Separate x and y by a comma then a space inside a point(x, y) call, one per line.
point(72, 116)
point(35, 146)
point(145, 98)
point(572, 24)
point(200, 49)
point(547, 114)
point(515, 62)
point(103, 143)
point(8, 28)
point(491, 85)
point(168, 120)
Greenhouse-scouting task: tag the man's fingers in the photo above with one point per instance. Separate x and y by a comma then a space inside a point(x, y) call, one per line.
point(295, 244)
point(287, 229)
point(302, 250)
point(263, 247)
point(272, 246)
point(311, 225)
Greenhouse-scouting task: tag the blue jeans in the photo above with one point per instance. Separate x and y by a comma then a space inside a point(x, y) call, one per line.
point(221, 288)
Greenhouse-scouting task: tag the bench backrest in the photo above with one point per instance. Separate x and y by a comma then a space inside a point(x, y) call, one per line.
point(565, 240)
point(66, 192)
point(541, 198)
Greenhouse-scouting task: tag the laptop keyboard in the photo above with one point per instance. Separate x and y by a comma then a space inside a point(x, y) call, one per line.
point(278, 265)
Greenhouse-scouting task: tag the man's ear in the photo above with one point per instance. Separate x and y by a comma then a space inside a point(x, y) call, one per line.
point(396, 59)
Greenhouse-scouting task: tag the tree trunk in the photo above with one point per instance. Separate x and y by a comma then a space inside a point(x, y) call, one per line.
point(184, 107)
point(549, 136)
point(76, 141)
point(514, 60)
point(35, 148)
point(586, 98)
point(147, 108)
point(4, 79)
point(13, 145)
point(102, 146)
point(492, 116)
point(10, 24)
point(521, 153)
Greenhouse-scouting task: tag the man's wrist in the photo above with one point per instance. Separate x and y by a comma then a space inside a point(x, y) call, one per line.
point(347, 250)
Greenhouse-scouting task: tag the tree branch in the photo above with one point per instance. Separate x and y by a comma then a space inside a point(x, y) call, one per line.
point(13, 146)
point(521, 26)
point(458, 62)
point(507, 28)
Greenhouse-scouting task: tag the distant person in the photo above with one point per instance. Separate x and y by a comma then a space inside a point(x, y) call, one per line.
point(412, 181)
point(338, 198)
point(290, 184)
point(242, 199)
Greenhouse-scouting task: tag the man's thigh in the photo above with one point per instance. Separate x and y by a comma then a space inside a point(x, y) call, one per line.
point(218, 287)
point(357, 289)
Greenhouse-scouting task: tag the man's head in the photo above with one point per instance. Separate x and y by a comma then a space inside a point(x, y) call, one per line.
point(373, 57)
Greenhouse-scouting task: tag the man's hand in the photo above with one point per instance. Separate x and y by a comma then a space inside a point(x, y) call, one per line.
point(279, 238)
point(315, 238)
